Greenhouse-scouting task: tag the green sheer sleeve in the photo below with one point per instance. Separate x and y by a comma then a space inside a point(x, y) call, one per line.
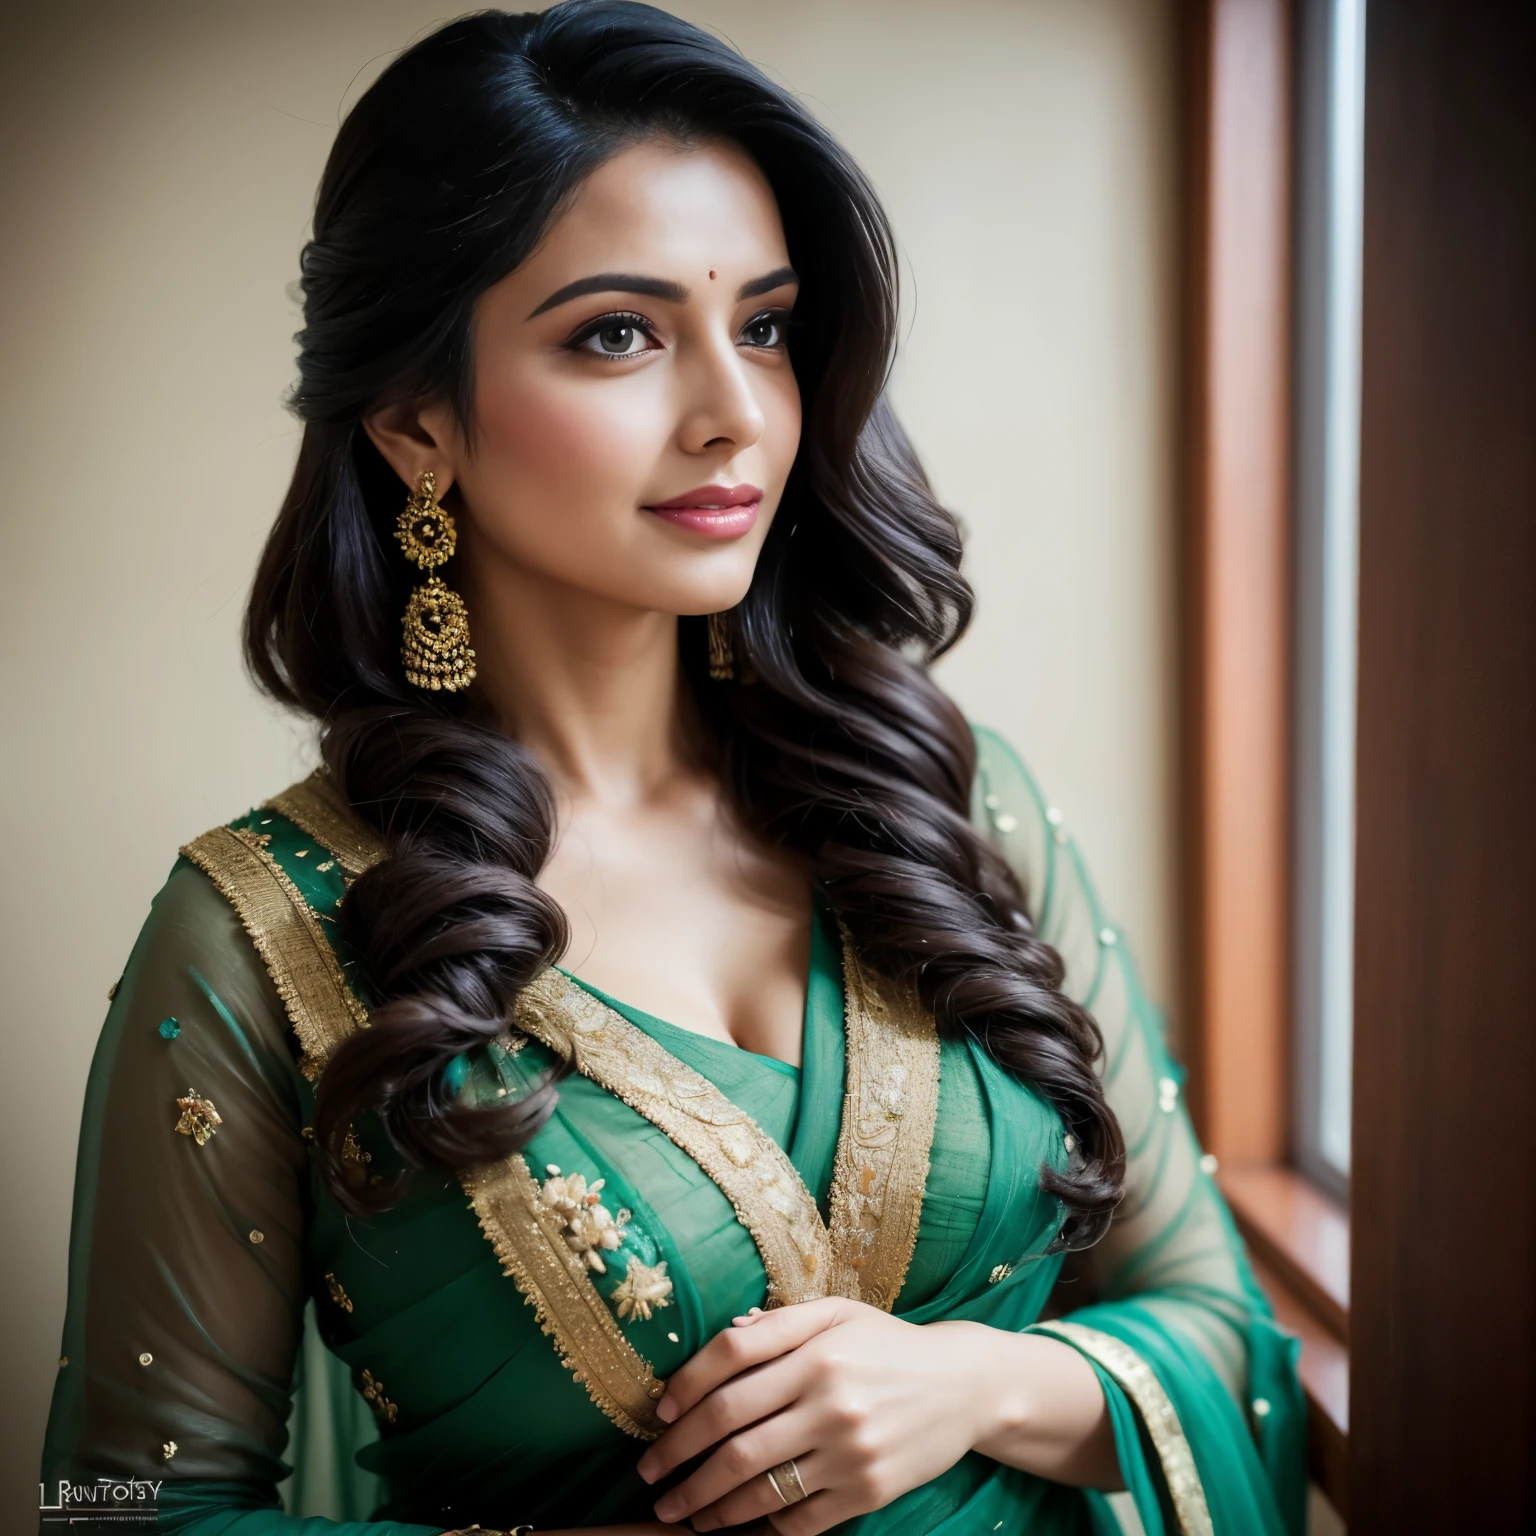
point(1170, 1281)
point(187, 1295)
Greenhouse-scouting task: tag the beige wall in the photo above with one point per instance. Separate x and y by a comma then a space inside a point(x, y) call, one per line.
point(158, 165)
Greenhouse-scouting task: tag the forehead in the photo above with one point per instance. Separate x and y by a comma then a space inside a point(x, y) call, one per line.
point(660, 206)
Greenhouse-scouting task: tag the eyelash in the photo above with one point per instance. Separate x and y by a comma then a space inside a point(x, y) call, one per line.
point(610, 322)
point(625, 317)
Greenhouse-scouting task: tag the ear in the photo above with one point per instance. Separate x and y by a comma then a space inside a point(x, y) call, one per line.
point(413, 439)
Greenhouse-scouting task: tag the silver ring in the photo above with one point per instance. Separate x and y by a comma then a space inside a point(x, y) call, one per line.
point(787, 1476)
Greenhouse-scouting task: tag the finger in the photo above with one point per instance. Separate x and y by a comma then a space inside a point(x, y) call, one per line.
point(734, 1350)
point(740, 1459)
point(757, 1498)
point(741, 1401)
point(809, 1517)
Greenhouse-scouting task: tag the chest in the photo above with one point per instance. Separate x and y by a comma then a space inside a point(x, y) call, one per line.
point(683, 914)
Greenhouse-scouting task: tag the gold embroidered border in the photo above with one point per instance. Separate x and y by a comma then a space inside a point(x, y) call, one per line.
point(554, 1281)
point(288, 937)
point(323, 1012)
point(890, 1103)
point(1157, 1413)
point(316, 806)
point(751, 1169)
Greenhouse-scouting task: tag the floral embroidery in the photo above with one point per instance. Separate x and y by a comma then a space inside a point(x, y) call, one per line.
point(199, 1119)
point(644, 1288)
point(590, 1231)
point(373, 1391)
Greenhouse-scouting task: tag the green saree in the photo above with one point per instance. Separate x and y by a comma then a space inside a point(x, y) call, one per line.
point(224, 1312)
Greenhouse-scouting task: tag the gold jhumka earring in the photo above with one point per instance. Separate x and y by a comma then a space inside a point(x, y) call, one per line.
point(722, 658)
point(435, 647)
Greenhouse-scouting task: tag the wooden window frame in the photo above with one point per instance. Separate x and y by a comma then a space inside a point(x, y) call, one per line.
point(1438, 1261)
point(1239, 90)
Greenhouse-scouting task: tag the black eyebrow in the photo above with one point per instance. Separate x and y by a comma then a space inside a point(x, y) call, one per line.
point(656, 287)
point(615, 282)
point(767, 283)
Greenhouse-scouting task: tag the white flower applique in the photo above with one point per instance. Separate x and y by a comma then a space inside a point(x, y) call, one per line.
point(589, 1230)
point(644, 1289)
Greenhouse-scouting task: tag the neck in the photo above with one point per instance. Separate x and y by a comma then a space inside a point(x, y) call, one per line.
point(590, 686)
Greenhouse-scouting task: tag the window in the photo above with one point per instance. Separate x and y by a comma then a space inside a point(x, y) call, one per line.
point(1330, 144)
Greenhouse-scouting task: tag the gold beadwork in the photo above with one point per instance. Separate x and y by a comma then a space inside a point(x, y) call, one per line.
point(427, 533)
point(146, 1358)
point(722, 656)
point(257, 1235)
point(645, 1288)
point(373, 1392)
point(338, 1295)
point(999, 1273)
point(436, 649)
point(199, 1119)
point(169, 1449)
point(589, 1229)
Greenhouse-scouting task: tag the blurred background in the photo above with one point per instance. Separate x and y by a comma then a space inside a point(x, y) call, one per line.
point(160, 168)
point(1219, 337)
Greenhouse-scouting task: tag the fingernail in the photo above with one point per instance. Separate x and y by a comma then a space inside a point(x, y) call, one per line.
point(666, 1410)
point(668, 1508)
point(645, 1472)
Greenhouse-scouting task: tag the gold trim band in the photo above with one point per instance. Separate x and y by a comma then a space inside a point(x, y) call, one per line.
point(287, 936)
point(1157, 1413)
point(534, 1254)
point(751, 1169)
point(315, 805)
point(890, 1104)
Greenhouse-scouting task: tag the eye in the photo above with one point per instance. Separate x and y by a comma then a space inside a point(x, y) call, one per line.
point(765, 330)
point(614, 336)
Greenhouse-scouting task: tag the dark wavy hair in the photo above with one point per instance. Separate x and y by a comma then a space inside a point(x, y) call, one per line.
point(442, 180)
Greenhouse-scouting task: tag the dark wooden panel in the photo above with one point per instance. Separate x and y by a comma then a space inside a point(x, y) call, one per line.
point(1443, 1278)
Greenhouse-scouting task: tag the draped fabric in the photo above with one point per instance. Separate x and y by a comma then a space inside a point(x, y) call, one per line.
point(285, 1370)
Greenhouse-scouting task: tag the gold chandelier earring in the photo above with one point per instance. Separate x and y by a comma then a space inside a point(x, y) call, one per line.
point(722, 656)
point(435, 647)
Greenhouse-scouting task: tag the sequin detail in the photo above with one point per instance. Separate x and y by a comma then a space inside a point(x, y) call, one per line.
point(169, 1029)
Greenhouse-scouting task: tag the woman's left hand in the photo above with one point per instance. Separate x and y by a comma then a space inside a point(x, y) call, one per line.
point(868, 1406)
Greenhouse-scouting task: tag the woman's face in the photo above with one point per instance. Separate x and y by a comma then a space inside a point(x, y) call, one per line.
point(635, 412)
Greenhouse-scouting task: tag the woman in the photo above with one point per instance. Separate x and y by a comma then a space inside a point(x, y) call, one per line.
point(658, 946)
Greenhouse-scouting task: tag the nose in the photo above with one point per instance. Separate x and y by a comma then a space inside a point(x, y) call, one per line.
point(719, 407)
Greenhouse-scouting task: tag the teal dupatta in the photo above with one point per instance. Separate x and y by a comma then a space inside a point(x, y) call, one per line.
point(431, 1396)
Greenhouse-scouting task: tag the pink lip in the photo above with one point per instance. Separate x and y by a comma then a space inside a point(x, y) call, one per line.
point(718, 511)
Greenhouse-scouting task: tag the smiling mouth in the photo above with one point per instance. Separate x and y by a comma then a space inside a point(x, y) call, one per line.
point(717, 511)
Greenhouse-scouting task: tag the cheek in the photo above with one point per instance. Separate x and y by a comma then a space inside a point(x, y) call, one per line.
point(586, 450)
